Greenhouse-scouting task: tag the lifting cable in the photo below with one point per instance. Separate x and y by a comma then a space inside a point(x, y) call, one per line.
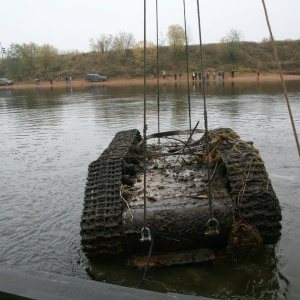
point(281, 77)
point(145, 232)
point(212, 223)
point(187, 66)
point(157, 74)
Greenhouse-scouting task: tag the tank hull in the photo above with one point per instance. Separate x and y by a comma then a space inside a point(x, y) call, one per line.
point(178, 203)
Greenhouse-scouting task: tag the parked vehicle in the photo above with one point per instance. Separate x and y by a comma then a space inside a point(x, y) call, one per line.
point(94, 77)
point(5, 81)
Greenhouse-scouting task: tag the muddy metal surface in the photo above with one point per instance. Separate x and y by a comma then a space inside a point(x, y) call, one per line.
point(177, 198)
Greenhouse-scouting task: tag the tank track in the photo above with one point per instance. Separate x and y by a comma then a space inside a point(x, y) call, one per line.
point(242, 172)
point(101, 221)
point(248, 183)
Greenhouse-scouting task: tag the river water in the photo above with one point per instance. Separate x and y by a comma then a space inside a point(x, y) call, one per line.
point(49, 136)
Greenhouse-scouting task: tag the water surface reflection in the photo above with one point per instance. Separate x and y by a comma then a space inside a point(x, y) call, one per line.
point(48, 138)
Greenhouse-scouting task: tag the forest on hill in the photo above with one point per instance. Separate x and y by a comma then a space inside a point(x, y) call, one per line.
point(25, 62)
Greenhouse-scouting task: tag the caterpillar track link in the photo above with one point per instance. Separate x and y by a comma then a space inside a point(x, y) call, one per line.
point(101, 222)
point(248, 183)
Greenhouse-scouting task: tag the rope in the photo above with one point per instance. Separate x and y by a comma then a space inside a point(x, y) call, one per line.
point(212, 223)
point(187, 66)
point(127, 204)
point(281, 77)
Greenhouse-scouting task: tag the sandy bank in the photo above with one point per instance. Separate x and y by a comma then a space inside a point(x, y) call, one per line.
point(140, 81)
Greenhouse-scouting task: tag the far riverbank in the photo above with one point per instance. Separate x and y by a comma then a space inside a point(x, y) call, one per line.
point(139, 81)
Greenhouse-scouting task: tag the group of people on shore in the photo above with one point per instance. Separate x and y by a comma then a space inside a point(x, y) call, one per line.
point(198, 75)
point(205, 76)
point(68, 80)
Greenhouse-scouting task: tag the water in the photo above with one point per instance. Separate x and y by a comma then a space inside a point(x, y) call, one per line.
point(48, 138)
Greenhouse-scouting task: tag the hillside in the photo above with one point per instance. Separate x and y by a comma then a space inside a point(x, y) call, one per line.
point(243, 57)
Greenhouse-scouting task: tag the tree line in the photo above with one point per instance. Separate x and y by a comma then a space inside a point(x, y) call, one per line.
point(120, 56)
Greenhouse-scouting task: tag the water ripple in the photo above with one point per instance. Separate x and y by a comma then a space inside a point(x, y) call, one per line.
point(48, 140)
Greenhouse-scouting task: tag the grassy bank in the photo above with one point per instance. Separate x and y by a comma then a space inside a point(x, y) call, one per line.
point(242, 57)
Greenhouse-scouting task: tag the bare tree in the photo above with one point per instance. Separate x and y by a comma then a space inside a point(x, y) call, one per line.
point(103, 44)
point(123, 41)
point(230, 45)
point(233, 36)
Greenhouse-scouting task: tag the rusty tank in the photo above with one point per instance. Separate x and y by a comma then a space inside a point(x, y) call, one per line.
point(246, 211)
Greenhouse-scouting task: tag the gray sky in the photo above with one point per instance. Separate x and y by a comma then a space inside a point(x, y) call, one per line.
point(70, 24)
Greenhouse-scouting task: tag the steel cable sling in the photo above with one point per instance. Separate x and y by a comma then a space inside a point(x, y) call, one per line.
point(157, 76)
point(212, 224)
point(145, 231)
point(187, 67)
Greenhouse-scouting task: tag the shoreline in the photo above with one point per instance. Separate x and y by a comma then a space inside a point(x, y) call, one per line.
point(140, 81)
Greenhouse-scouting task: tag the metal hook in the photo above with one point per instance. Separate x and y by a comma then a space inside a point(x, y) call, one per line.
point(146, 238)
point(212, 227)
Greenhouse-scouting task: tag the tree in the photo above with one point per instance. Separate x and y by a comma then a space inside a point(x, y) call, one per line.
point(123, 41)
point(266, 40)
point(177, 40)
point(13, 59)
point(103, 44)
point(229, 47)
point(233, 36)
point(27, 54)
point(176, 36)
point(138, 54)
point(48, 56)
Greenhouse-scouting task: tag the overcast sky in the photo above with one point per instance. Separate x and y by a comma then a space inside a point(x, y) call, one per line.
point(70, 24)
